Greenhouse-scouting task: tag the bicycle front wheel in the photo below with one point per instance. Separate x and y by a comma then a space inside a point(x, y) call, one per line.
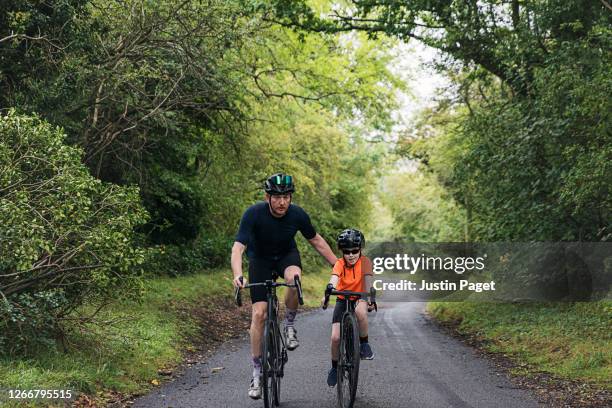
point(278, 362)
point(348, 362)
point(268, 365)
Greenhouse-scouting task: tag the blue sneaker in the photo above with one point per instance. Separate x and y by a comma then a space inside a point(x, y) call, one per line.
point(332, 377)
point(366, 351)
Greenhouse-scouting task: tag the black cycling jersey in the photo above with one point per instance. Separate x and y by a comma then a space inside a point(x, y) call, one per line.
point(271, 237)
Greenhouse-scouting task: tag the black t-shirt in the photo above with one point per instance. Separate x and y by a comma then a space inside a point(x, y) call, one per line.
point(269, 236)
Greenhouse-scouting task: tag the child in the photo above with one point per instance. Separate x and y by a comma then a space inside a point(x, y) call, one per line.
point(352, 272)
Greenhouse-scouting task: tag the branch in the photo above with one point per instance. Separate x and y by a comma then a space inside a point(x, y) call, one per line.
point(25, 284)
point(28, 37)
point(345, 19)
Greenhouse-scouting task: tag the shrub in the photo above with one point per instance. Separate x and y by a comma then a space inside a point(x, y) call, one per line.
point(65, 237)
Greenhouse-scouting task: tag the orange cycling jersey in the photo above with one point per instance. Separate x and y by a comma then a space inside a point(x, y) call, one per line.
point(352, 277)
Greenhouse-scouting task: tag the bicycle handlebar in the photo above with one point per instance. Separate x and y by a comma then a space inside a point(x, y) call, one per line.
point(270, 283)
point(330, 291)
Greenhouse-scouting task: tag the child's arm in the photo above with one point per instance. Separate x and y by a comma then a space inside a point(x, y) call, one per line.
point(369, 281)
point(368, 278)
point(333, 280)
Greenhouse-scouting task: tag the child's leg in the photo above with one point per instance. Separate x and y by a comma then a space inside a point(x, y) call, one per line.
point(361, 311)
point(335, 341)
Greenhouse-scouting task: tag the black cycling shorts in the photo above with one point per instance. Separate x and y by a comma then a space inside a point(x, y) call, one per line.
point(261, 269)
point(339, 310)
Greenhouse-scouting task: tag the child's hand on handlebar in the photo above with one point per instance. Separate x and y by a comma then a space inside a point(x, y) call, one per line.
point(325, 298)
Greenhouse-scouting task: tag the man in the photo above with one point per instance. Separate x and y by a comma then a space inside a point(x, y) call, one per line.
point(267, 230)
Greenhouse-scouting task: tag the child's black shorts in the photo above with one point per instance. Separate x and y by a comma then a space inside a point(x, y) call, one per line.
point(339, 309)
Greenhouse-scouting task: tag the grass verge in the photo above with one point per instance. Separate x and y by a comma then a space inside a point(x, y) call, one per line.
point(135, 342)
point(572, 341)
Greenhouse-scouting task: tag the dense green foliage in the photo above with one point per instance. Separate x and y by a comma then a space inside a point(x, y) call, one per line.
point(65, 237)
point(173, 96)
point(193, 103)
point(422, 209)
point(535, 167)
point(525, 146)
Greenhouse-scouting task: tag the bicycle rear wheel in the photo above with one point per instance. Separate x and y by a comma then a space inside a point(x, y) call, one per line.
point(348, 362)
point(269, 366)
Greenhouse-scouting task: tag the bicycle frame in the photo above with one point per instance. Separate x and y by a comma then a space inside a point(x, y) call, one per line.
point(349, 358)
point(274, 352)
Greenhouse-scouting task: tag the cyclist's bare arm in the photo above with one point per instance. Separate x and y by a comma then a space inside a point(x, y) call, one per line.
point(323, 248)
point(368, 281)
point(332, 281)
point(237, 251)
point(368, 274)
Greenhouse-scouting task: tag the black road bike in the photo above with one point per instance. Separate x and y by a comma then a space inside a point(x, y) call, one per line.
point(349, 358)
point(274, 351)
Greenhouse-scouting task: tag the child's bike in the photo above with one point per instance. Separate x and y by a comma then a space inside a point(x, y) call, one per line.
point(348, 361)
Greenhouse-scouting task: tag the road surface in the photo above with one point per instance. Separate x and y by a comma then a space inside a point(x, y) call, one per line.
point(415, 365)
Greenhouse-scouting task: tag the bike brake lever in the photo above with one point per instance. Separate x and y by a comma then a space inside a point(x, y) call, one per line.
point(237, 295)
point(373, 298)
point(296, 279)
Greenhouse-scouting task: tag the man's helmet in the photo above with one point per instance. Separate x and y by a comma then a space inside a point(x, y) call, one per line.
point(350, 238)
point(279, 183)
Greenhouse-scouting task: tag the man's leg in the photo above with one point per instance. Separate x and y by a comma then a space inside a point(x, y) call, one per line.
point(258, 317)
point(361, 311)
point(291, 304)
point(291, 298)
point(259, 271)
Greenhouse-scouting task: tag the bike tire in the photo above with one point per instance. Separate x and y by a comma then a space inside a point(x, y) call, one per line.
point(278, 363)
point(268, 365)
point(348, 362)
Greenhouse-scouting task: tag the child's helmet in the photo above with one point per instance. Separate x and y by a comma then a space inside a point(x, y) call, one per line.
point(350, 238)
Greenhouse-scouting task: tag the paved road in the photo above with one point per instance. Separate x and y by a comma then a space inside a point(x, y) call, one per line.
point(416, 365)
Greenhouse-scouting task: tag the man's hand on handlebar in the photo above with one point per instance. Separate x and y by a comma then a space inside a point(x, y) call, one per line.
point(238, 282)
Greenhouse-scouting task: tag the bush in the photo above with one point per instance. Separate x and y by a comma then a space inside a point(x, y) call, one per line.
point(202, 253)
point(65, 237)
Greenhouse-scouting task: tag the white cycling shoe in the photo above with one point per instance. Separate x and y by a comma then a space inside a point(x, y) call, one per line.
point(255, 388)
point(292, 341)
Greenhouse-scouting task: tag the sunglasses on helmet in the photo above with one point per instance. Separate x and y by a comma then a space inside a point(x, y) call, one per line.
point(283, 180)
